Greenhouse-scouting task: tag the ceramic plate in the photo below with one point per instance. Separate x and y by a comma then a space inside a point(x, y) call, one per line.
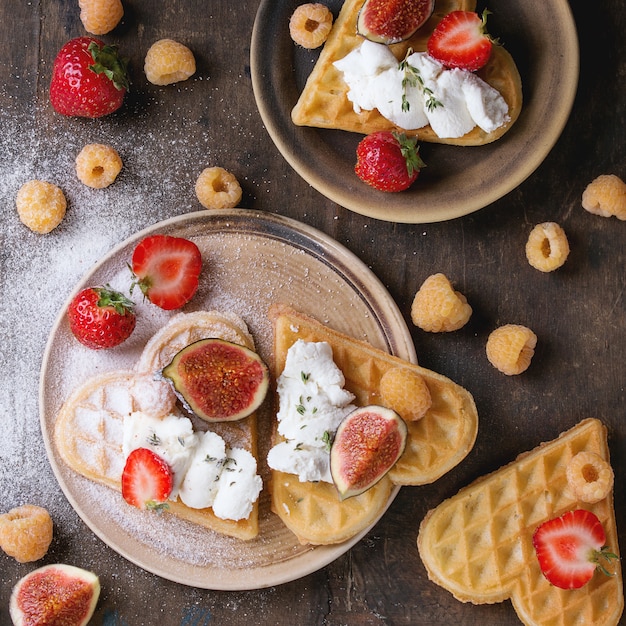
point(250, 260)
point(540, 35)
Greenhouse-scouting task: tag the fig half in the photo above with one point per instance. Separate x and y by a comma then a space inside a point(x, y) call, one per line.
point(391, 21)
point(366, 446)
point(55, 594)
point(217, 380)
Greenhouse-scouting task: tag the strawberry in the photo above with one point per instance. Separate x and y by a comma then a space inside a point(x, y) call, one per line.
point(391, 21)
point(101, 318)
point(166, 269)
point(569, 548)
point(147, 480)
point(460, 40)
point(88, 79)
point(388, 161)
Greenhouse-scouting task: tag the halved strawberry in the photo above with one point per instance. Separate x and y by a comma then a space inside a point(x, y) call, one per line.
point(570, 548)
point(147, 480)
point(460, 40)
point(166, 269)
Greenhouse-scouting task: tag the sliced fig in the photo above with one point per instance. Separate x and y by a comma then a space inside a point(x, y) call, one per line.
point(391, 21)
point(55, 594)
point(366, 446)
point(217, 380)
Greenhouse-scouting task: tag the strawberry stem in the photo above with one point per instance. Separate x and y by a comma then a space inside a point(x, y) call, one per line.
point(109, 63)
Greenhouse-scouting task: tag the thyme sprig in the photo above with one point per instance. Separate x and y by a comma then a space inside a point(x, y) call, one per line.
point(413, 78)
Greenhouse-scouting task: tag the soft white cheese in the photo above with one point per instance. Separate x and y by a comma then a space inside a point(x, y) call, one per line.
point(312, 404)
point(309, 463)
point(375, 81)
point(170, 437)
point(238, 486)
point(206, 472)
point(200, 483)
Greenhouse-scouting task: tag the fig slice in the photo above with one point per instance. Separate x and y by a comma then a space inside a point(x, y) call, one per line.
point(391, 21)
point(218, 381)
point(366, 446)
point(55, 594)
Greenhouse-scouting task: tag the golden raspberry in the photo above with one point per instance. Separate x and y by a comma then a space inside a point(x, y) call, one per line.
point(510, 348)
point(26, 533)
point(310, 24)
point(217, 188)
point(438, 308)
point(98, 165)
point(606, 196)
point(547, 247)
point(589, 476)
point(100, 16)
point(406, 392)
point(40, 205)
point(168, 61)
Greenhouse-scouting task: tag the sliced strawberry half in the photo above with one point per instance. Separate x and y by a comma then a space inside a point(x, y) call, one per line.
point(460, 40)
point(147, 480)
point(166, 269)
point(570, 548)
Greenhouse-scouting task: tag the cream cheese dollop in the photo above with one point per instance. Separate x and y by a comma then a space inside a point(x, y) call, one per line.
point(451, 101)
point(312, 404)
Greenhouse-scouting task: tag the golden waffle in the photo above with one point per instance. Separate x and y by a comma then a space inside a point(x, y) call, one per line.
point(185, 328)
point(436, 443)
point(478, 544)
point(324, 103)
point(89, 427)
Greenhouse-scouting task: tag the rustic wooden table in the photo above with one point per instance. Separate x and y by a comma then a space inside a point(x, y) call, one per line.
point(166, 136)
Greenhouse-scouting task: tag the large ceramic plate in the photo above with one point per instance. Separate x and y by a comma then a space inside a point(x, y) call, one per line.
point(541, 36)
point(250, 260)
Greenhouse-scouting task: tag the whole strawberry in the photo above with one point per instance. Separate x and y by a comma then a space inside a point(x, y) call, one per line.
point(101, 318)
point(388, 161)
point(89, 79)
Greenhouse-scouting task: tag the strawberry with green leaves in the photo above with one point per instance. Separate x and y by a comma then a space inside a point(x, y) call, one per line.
point(147, 480)
point(101, 318)
point(570, 548)
point(461, 41)
point(166, 269)
point(89, 79)
point(388, 161)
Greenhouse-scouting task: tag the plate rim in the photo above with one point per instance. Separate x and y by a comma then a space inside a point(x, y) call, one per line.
point(272, 573)
point(386, 207)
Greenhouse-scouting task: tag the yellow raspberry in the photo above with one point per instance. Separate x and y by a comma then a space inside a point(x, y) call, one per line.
point(98, 165)
point(100, 16)
point(606, 196)
point(310, 25)
point(406, 392)
point(217, 188)
point(26, 533)
point(40, 205)
point(589, 476)
point(510, 348)
point(547, 247)
point(168, 61)
point(437, 307)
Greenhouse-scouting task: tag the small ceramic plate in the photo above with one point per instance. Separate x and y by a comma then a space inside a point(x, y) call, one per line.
point(250, 260)
point(541, 37)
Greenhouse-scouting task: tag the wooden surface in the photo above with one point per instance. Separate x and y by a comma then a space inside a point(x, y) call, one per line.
point(166, 136)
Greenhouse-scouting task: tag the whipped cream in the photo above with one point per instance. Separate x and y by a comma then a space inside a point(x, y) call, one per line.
point(451, 101)
point(312, 404)
point(206, 472)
